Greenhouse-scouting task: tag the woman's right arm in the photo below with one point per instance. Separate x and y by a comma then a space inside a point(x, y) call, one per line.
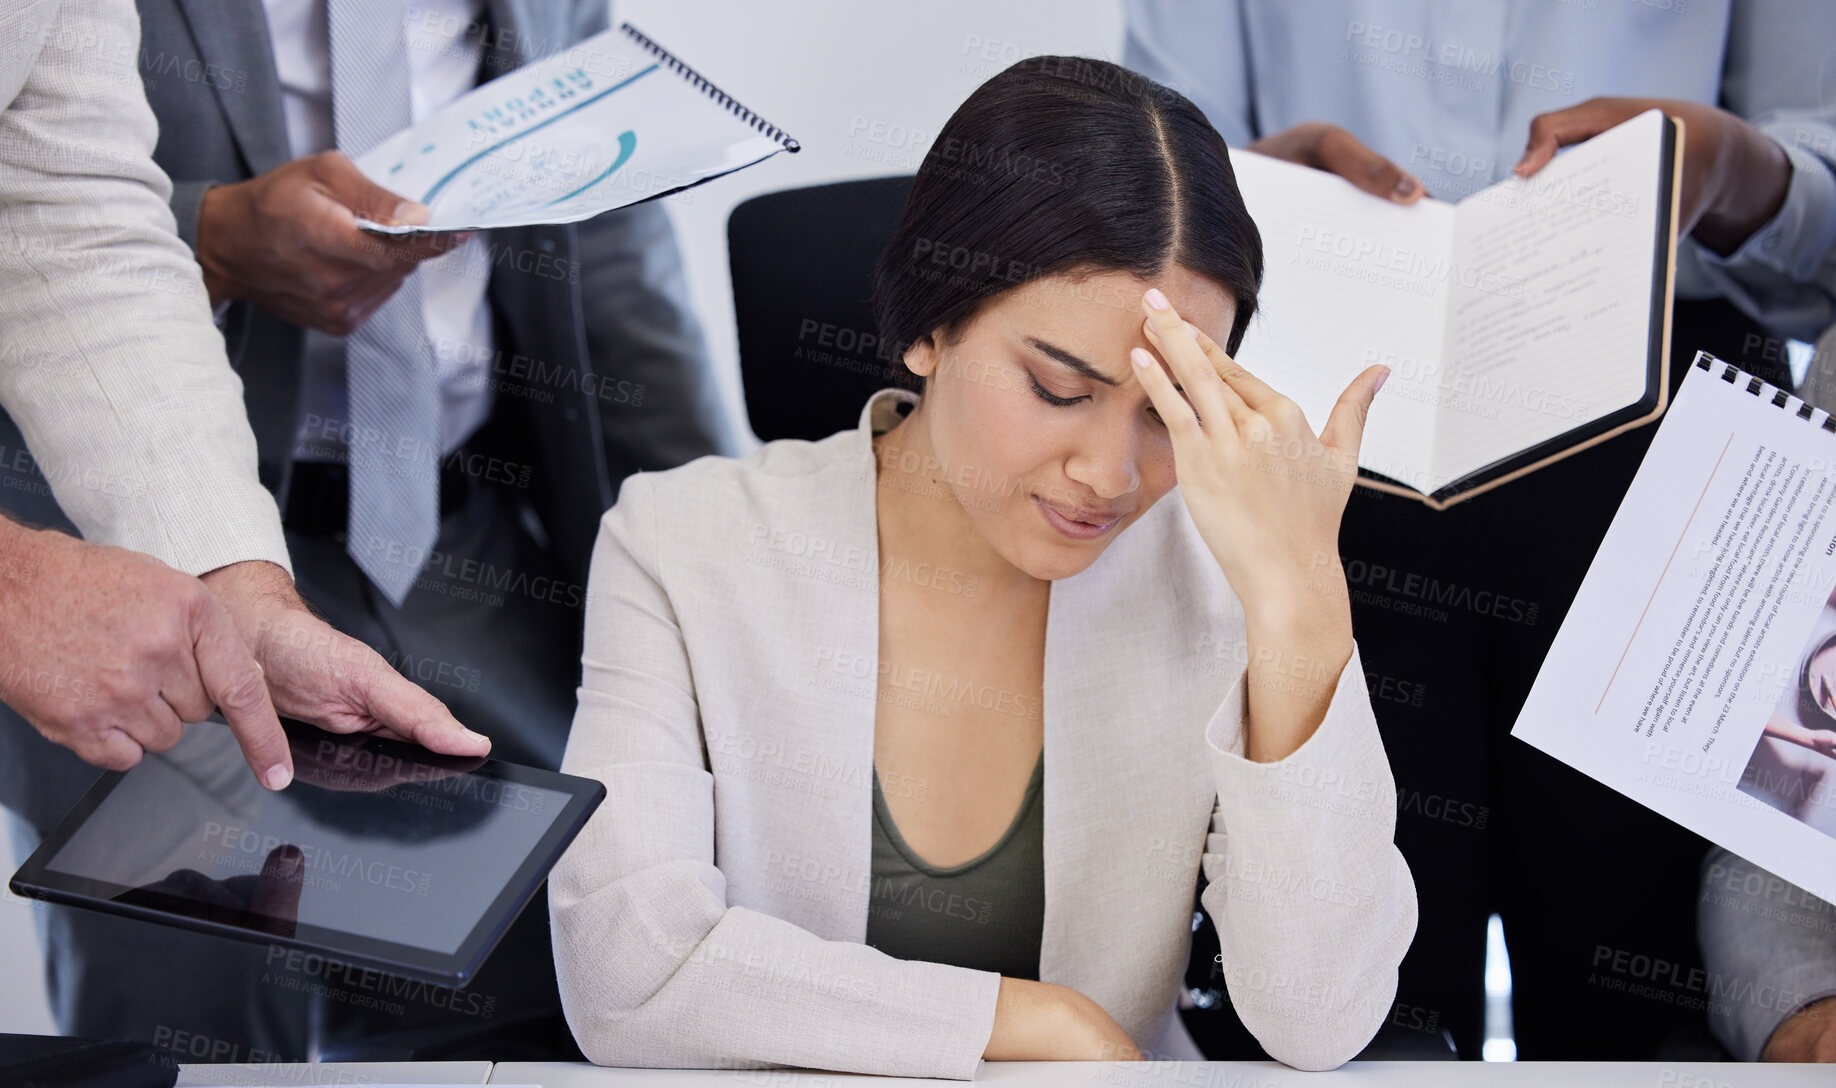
point(1045, 1022)
point(655, 968)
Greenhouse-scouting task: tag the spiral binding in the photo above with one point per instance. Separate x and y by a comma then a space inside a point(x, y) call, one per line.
point(1780, 399)
point(707, 88)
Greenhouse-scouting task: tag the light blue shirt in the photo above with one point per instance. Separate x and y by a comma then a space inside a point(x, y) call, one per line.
point(1446, 89)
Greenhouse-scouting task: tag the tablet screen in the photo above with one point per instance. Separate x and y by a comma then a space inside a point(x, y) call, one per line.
point(378, 840)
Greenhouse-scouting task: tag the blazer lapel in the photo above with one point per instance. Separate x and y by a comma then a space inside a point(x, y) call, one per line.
point(794, 792)
point(240, 41)
point(1128, 788)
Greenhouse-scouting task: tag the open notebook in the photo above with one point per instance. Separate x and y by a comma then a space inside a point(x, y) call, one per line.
point(1528, 321)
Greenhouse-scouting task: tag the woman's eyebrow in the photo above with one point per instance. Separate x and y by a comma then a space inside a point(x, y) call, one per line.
point(1070, 360)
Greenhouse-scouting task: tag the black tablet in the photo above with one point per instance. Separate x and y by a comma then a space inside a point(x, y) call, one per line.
point(380, 854)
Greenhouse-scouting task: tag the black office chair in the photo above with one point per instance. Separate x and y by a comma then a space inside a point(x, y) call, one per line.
point(802, 263)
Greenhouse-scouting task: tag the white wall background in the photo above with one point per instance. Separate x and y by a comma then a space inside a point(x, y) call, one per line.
point(862, 84)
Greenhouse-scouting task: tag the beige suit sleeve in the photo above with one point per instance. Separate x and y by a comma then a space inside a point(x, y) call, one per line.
point(109, 360)
point(655, 968)
point(1313, 903)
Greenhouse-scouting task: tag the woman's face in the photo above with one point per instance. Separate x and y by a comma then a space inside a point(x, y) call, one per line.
point(1047, 440)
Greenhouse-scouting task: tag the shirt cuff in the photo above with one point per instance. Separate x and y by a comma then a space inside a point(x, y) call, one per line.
point(1796, 240)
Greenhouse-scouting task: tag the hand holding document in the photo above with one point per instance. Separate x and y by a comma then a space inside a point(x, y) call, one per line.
point(1527, 321)
point(608, 122)
point(1696, 671)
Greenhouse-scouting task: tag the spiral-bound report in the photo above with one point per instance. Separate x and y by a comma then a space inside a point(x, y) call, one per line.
point(610, 121)
point(1696, 671)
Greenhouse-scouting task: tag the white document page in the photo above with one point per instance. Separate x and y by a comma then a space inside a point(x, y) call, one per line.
point(1549, 323)
point(1676, 676)
point(1350, 280)
point(600, 125)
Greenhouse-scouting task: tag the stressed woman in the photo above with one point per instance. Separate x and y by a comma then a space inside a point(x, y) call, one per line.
point(918, 738)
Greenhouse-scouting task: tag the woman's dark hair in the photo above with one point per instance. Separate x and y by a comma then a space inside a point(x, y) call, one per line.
point(1059, 164)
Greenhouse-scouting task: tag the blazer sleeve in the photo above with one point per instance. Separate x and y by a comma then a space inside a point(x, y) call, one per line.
point(1768, 947)
point(110, 362)
point(655, 968)
point(1313, 903)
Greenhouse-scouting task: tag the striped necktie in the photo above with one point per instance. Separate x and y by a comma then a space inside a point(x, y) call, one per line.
point(394, 397)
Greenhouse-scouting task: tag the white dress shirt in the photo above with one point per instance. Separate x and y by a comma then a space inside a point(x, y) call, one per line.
point(443, 45)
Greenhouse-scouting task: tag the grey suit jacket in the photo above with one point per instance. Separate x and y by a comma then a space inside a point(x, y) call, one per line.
point(599, 361)
point(712, 913)
point(108, 358)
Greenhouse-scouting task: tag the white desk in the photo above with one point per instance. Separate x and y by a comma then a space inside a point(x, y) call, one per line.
point(314, 1075)
point(1207, 1075)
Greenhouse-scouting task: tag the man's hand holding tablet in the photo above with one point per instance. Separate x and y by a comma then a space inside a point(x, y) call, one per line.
point(108, 651)
point(381, 855)
point(326, 678)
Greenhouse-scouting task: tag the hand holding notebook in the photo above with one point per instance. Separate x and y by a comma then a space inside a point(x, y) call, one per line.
point(1527, 321)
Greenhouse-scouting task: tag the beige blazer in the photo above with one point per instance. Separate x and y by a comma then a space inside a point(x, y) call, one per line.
point(712, 912)
point(109, 360)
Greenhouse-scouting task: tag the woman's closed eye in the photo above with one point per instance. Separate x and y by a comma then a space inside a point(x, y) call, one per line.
point(1061, 402)
point(1050, 397)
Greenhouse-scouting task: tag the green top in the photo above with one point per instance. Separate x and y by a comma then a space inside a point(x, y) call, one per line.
point(987, 913)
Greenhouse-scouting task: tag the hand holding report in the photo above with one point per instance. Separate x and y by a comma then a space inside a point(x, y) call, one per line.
point(1696, 670)
point(1525, 322)
point(608, 122)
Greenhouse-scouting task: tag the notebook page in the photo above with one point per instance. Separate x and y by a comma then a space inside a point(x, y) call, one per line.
point(1549, 322)
point(1677, 670)
point(1349, 280)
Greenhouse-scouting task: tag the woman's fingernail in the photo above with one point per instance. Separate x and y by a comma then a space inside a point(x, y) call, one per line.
point(1140, 358)
point(277, 777)
point(1404, 186)
point(1155, 299)
point(1191, 328)
point(1381, 378)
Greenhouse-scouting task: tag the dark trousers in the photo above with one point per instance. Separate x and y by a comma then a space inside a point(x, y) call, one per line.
point(493, 629)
